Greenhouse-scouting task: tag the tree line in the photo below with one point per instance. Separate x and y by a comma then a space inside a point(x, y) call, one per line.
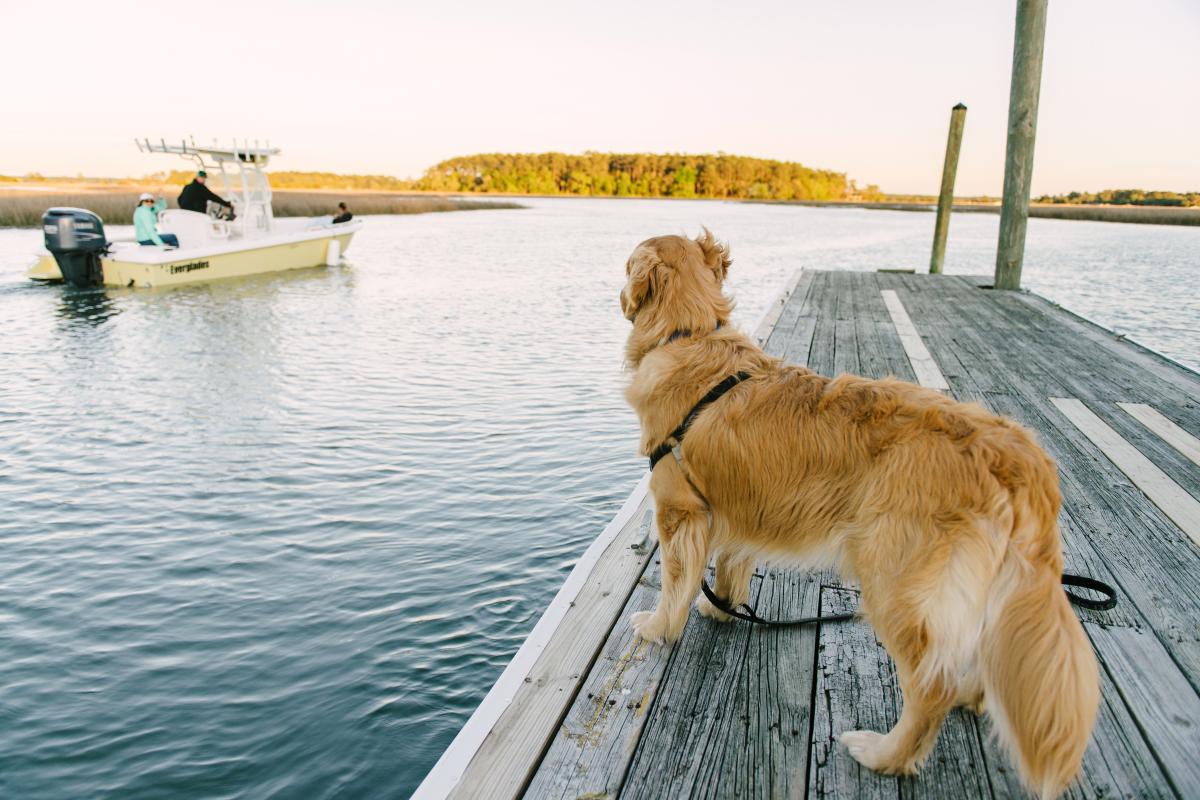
point(1124, 197)
point(637, 175)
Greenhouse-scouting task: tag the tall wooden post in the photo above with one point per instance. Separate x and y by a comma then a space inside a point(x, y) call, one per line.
point(958, 118)
point(1022, 129)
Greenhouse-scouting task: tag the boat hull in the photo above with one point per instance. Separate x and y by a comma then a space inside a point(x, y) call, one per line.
point(193, 267)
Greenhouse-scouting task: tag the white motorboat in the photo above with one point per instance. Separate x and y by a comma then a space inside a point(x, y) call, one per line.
point(210, 247)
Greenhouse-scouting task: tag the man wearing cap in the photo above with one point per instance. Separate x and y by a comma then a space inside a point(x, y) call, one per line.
point(145, 220)
point(196, 196)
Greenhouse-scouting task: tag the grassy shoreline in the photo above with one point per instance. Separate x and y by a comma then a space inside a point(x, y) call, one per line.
point(24, 209)
point(1143, 215)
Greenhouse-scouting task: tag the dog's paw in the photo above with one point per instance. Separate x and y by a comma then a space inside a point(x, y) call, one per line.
point(864, 746)
point(653, 626)
point(707, 609)
point(650, 626)
point(872, 750)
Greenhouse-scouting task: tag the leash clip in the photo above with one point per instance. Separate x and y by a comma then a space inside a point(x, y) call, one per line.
point(677, 452)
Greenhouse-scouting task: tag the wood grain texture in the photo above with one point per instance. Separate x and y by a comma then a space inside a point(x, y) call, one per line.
point(591, 752)
point(1024, 91)
point(1181, 507)
point(958, 119)
point(1187, 445)
point(731, 717)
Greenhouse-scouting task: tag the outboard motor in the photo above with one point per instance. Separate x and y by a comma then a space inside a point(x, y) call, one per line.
point(75, 237)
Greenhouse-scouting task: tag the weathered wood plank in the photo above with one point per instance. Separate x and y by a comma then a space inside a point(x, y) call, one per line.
point(1141, 373)
point(767, 755)
point(1187, 445)
point(794, 341)
point(880, 352)
point(856, 690)
point(694, 712)
point(1182, 508)
point(1166, 706)
point(779, 323)
point(821, 351)
point(597, 738)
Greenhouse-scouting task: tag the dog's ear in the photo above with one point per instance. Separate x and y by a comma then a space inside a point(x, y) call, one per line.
point(646, 272)
point(716, 254)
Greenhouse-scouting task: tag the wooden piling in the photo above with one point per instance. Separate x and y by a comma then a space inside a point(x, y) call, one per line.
point(1022, 129)
point(958, 118)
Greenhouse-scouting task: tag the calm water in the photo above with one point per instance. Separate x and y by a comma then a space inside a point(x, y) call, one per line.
point(276, 537)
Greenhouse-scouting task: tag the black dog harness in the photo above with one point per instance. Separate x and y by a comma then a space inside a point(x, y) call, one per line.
point(673, 442)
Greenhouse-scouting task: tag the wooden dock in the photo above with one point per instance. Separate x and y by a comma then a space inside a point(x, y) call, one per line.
point(732, 710)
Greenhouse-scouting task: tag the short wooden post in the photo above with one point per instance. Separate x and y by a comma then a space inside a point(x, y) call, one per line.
point(1022, 129)
point(958, 118)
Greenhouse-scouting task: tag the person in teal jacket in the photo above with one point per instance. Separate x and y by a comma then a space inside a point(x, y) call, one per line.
point(145, 220)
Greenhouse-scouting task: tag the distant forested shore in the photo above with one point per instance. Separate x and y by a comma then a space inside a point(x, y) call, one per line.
point(717, 176)
point(1124, 197)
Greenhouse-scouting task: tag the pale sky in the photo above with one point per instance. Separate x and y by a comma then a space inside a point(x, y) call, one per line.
point(393, 87)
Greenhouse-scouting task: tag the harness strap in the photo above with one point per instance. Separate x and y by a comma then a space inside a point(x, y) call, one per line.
point(745, 612)
point(676, 437)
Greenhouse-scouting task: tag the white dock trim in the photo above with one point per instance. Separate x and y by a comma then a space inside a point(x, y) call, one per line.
point(927, 371)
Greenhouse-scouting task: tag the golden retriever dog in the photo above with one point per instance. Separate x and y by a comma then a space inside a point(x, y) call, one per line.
point(945, 513)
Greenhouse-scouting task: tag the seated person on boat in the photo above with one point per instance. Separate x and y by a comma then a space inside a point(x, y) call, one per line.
point(145, 220)
point(196, 196)
point(343, 214)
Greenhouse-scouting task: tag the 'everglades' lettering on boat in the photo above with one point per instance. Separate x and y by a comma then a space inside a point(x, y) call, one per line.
point(175, 269)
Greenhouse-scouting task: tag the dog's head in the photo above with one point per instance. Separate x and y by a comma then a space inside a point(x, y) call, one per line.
point(673, 283)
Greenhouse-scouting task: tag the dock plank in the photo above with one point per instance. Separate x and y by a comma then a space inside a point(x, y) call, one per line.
point(594, 745)
point(695, 712)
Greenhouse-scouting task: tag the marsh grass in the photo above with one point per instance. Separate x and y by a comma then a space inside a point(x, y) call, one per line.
point(1145, 215)
point(25, 209)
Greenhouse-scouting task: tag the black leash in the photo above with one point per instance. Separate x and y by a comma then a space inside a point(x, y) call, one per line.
point(750, 616)
point(1100, 587)
point(747, 613)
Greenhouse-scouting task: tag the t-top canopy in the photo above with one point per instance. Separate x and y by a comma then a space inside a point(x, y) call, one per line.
point(244, 153)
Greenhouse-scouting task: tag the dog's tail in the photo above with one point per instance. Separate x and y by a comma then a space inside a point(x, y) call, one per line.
point(1040, 676)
